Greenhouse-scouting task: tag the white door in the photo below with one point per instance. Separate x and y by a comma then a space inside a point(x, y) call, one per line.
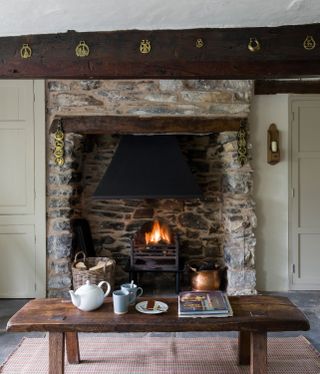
point(305, 192)
point(22, 189)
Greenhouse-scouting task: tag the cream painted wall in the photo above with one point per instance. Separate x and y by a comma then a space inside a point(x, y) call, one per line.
point(270, 192)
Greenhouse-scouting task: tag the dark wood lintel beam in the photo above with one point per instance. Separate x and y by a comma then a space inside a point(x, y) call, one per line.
point(271, 87)
point(146, 125)
point(276, 52)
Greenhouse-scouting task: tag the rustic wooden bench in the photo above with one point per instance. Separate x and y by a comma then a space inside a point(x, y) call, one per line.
point(254, 317)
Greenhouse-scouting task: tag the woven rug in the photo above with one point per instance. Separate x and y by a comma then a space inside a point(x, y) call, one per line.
point(152, 355)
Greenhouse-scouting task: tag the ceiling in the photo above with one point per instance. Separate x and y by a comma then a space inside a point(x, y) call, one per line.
point(53, 16)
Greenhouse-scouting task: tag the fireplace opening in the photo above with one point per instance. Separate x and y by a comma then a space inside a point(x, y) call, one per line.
point(208, 227)
point(155, 248)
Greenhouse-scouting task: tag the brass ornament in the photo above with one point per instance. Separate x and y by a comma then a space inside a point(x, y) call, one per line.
point(254, 45)
point(59, 145)
point(82, 49)
point(309, 43)
point(145, 46)
point(199, 43)
point(25, 51)
point(242, 144)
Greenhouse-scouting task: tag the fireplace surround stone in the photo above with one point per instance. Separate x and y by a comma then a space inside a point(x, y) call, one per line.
point(220, 225)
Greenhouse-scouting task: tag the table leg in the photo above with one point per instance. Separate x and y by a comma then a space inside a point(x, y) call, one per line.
point(244, 348)
point(56, 352)
point(258, 353)
point(72, 346)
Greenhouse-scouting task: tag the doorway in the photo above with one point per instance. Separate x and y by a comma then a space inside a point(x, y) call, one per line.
point(22, 189)
point(304, 189)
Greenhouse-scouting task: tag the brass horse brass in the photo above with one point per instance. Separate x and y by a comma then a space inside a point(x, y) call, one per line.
point(309, 43)
point(254, 45)
point(242, 144)
point(59, 145)
point(25, 51)
point(199, 43)
point(82, 49)
point(145, 46)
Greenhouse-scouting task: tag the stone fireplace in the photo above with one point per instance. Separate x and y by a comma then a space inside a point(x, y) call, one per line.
point(219, 225)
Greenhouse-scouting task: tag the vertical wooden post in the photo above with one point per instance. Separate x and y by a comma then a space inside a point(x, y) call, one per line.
point(72, 346)
point(56, 353)
point(258, 353)
point(244, 348)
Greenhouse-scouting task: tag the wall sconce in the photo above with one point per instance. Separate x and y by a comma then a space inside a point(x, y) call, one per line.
point(273, 145)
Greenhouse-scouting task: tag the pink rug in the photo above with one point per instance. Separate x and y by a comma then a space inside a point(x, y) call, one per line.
point(153, 355)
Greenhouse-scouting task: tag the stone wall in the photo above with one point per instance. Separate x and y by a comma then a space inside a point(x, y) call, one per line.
point(64, 187)
point(220, 225)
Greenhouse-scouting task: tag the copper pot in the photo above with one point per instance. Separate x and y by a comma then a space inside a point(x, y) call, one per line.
point(205, 280)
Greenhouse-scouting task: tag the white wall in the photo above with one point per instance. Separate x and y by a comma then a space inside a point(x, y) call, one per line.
point(51, 16)
point(270, 192)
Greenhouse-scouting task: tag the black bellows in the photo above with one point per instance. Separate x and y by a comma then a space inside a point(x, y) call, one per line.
point(82, 239)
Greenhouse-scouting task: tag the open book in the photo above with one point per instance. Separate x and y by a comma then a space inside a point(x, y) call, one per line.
point(204, 304)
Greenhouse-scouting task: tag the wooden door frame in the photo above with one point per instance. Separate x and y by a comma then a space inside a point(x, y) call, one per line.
point(291, 98)
point(40, 187)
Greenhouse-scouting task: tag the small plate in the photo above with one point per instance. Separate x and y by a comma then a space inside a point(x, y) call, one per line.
point(159, 307)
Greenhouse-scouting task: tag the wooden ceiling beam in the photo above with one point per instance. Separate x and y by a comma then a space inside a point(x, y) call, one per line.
point(276, 52)
point(271, 87)
point(145, 125)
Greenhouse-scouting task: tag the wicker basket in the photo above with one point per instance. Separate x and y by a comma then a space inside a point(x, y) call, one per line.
point(80, 276)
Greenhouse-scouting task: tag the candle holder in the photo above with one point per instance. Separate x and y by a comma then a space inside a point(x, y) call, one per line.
point(273, 152)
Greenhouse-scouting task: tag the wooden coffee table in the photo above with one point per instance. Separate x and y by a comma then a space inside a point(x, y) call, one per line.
point(254, 317)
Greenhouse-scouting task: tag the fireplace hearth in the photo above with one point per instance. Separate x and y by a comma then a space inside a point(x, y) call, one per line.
point(154, 248)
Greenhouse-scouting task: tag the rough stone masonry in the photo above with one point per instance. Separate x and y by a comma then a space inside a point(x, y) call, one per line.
point(220, 225)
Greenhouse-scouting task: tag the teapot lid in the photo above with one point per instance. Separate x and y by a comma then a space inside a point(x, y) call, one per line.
point(88, 283)
point(87, 287)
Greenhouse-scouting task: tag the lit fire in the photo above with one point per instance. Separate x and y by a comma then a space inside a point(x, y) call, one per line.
point(158, 234)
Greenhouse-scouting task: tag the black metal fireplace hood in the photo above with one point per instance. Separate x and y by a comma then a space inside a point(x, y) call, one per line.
point(148, 167)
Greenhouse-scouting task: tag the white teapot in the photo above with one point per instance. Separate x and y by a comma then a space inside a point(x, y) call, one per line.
point(89, 296)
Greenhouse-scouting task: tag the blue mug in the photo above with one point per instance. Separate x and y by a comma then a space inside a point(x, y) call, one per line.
point(134, 291)
point(120, 301)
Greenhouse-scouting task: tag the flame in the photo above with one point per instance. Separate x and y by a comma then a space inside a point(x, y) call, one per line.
point(159, 233)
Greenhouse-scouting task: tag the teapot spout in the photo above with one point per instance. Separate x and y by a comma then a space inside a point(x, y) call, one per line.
point(76, 299)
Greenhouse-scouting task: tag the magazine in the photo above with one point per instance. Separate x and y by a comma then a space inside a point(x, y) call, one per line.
point(204, 304)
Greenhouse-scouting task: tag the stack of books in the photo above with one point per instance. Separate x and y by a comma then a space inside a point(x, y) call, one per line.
point(204, 304)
